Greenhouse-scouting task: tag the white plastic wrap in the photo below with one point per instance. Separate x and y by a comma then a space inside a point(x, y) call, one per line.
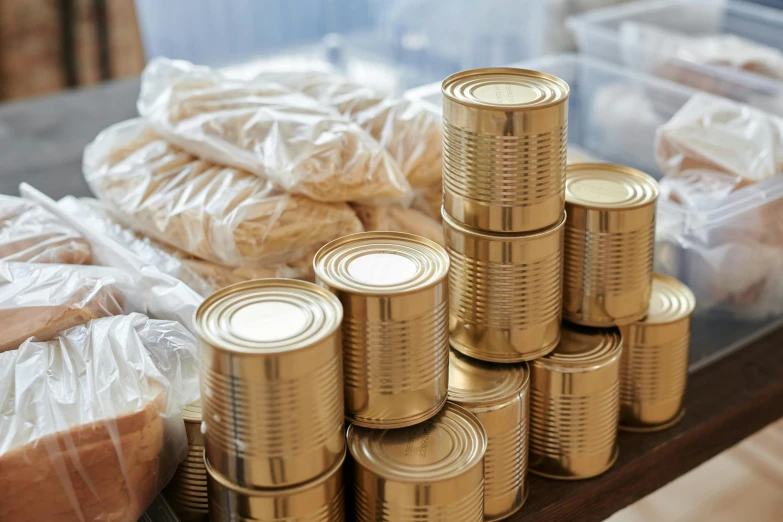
point(715, 134)
point(90, 423)
point(42, 300)
point(30, 233)
point(276, 133)
point(396, 218)
point(406, 128)
point(220, 214)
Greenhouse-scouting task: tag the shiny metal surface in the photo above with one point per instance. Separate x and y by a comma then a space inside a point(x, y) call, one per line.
point(505, 291)
point(504, 148)
point(271, 382)
point(394, 291)
point(609, 240)
point(321, 500)
point(432, 471)
point(498, 395)
point(654, 365)
point(575, 405)
point(187, 491)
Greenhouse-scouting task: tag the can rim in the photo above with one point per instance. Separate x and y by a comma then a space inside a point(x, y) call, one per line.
point(455, 80)
point(468, 400)
point(207, 334)
point(643, 180)
point(325, 272)
point(676, 287)
point(192, 412)
point(607, 354)
point(276, 492)
point(501, 236)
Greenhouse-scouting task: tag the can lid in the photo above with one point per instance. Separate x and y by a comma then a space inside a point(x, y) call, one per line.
point(479, 383)
point(192, 412)
point(381, 263)
point(441, 448)
point(606, 186)
point(582, 347)
point(268, 316)
point(505, 88)
point(670, 301)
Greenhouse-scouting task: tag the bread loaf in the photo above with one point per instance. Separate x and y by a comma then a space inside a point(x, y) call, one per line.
point(395, 218)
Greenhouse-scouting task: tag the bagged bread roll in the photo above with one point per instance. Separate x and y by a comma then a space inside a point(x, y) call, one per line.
point(39, 300)
point(429, 200)
point(715, 134)
point(396, 218)
point(220, 214)
point(408, 131)
point(274, 132)
point(90, 424)
point(30, 233)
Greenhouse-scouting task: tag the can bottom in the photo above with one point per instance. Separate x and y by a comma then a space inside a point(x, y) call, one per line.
point(615, 454)
point(483, 356)
point(620, 321)
point(525, 493)
point(399, 423)
point(658, 427)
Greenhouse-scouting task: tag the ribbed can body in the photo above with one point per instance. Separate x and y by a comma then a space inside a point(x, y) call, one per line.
point(574, 414)
point(187, 491)
point(505, 292)
point(273, 410)
point(322, 500)
point(504, 149)
point(395, 336)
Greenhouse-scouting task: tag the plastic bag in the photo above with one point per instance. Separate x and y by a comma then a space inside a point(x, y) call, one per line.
point(90, 422)
point(429, 200)
point(42, 300)
point(715, 134)
point(274, 132)
point(408, 131)
point(219, 214)
point(30, 233)
point(396, 218)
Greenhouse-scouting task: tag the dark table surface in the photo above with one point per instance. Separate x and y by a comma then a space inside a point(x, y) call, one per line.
point(41, 143)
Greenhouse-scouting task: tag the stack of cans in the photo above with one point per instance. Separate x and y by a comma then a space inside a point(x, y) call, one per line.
point(187, 491)
point(272, 400)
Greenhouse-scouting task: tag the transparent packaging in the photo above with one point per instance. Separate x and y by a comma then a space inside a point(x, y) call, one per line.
point(274, 132)
point(614, 114)
point(216, 213)
point(31, 234)
point(396, 218)
point(90, 422)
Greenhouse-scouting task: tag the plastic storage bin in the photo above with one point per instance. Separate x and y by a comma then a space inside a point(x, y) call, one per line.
point(613, 116)
point(604, 34)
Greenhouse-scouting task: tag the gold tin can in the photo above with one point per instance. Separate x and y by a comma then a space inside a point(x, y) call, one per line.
point(575, 404)
point(433, 471)
point(498, 395)
point(654, 365)
point(187, 491)
point(505, 292)
point(321, 500)
point(271, 382)
point(504, 148)
point(394, 291)
point(609, 240)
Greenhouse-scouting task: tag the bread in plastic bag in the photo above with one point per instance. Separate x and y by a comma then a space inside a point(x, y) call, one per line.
point(90, 422)
point(220, 214)
point(712, 134)
point(30, 233)
point(408, 131)
point(274, 132)
point(429, 200)
point(42, 300)
point(396, 218)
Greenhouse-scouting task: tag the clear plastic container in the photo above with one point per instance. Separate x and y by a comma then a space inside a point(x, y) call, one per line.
point(608, 34)
point(613, 116)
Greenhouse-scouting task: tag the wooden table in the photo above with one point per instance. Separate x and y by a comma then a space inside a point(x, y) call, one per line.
point(41, 142)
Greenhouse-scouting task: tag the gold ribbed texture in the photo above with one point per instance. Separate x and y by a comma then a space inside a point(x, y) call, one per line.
point(187, 491)
point(505, 291)
point(505, 471)
point(370, 508)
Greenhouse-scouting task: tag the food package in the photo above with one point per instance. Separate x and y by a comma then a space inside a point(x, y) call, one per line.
point(274, 132)
point(396, 218)
point(429, 200)
point(220, 214)
point(408, 131)
point(30, 233)
point(42, 300)
point(90, 422)
point(715, 134)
